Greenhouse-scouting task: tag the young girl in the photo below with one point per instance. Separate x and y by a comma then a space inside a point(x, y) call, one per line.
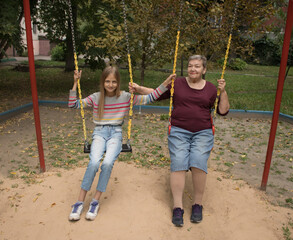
point(110, 106)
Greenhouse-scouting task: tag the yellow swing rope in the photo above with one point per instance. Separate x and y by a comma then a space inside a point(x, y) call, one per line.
point(130, 73)
point(226, 58)
point(175, 63)
point(174, 71)
point(76, 68)
point(131, 100)
point(80, 99)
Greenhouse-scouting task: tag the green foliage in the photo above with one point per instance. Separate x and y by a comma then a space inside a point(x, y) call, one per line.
point(237, 64)
point(234, 63)
point(57, 53)
point(286, 233)
point(24, 53)
point(164, 117)
point(11, 14)
point(253, 89)
point(267, 51)
point(102, 33)
point(152, 28)
point(54, 20)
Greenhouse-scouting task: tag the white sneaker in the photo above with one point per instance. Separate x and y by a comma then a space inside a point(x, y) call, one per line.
point(76, 211)
point(93, 210)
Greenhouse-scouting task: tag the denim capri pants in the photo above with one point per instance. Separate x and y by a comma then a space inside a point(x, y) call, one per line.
point(188, 149)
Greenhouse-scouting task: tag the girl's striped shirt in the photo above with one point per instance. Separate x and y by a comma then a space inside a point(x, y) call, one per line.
point(116, 108)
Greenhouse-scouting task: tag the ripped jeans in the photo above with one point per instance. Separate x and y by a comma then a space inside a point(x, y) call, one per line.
point(106, 139)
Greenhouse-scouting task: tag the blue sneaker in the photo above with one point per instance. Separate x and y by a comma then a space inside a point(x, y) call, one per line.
point(93, 210)
point(196, 213)
point(177, 218)
point(76, 211)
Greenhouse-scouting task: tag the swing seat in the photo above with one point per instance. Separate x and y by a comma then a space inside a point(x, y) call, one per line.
point(87, 147)
point(126, 147)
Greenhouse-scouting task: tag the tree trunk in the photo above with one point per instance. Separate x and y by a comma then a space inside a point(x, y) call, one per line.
point(182, 67)
point(5, 48)
point(69, 57)
point(142, 69)
point(3, 44)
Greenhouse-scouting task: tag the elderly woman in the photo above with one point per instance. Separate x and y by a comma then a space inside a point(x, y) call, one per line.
point(191, 139)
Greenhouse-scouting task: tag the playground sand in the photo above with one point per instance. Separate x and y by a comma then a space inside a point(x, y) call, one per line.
point(138, 202)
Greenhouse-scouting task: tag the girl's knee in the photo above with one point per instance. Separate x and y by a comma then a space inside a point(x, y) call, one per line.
point(107, 166)
point(94, 164)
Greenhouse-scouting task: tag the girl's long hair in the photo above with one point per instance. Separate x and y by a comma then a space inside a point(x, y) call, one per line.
point(106, 72)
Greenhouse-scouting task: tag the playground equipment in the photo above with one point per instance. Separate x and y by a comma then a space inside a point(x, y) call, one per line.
point(225, 60)
point(30, 50)
point(282, 71)
point(126, 147)
point(223, 70)
point(174, 66)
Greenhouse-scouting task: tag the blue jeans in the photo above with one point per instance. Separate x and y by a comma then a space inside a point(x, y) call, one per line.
point(107, 139)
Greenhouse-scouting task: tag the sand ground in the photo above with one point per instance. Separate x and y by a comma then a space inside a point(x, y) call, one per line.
point(136, 205)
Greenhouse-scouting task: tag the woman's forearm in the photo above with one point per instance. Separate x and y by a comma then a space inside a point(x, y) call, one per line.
point(224, 104)
point(133, 87)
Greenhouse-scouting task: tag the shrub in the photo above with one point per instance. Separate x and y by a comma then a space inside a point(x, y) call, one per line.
point(58, 54)
point(23, 53)
point(220, 62)
point(267, 51)
point(237, 64)
point(234, 63)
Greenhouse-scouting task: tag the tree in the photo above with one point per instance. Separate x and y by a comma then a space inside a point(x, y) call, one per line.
point(101, 27)
point(151, 27)
point(211, 25)
point(11, 14)
point(268, 41)
point(54, 19)
point(153, 24)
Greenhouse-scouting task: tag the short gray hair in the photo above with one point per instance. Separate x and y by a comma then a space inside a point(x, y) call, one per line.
point(199, 57)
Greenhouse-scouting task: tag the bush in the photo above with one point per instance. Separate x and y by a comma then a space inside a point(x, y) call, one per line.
point(23, 53)
point(220, 62)
point(267, 51)
point(237, 64)
point(234, 63)
point(58, 54)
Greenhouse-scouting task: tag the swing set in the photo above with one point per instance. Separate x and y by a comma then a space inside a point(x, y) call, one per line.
point(281, 79)
point(126, 147)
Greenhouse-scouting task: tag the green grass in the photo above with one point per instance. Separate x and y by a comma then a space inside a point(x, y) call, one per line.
point(50, 63)
point(248, 89)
